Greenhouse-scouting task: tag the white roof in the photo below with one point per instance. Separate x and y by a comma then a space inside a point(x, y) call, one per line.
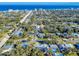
point(53, 46)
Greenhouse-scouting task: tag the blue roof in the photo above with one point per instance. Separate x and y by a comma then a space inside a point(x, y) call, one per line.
point(18, 33)
point(58, 54)
point(65, 34)
point(77, 46)
point(24, 41)
point(24, 45)
point(54, 50)
point(43, 49)
point(75, 34)
point(62, 47)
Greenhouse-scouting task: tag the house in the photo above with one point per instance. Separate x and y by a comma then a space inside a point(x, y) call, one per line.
point(58, 54)
point(42, 47)
point(38, 28)
point(65, 39)
point(77, 46)
point(58, 34)
point(61, 47)
point(40, 35)
point(69, 36)
point(69, 46)
point(54, 50)
point(37, 44)
point(23, 40)
point(18, 33)
point(8, 26)
point(24, 45)
point(62, 34)
point(41, 42)
point(75, 34)
point(65, 34)
point(49, 39)
point(53, 46)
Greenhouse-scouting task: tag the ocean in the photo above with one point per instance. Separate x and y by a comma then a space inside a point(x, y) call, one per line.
point(30, 7)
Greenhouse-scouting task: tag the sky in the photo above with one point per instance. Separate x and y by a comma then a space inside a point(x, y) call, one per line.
point(40, 3)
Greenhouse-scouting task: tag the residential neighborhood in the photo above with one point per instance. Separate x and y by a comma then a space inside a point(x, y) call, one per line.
point(39, 32)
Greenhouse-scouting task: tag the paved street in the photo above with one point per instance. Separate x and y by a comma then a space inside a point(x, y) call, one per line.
point(6, 37)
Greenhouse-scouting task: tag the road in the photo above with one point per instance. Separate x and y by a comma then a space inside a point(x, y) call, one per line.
point(46, 12)
point(6, 37)
point(24, 19)
point(11, 47)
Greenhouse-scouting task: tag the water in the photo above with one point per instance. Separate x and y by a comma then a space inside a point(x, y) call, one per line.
point(31, 7)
